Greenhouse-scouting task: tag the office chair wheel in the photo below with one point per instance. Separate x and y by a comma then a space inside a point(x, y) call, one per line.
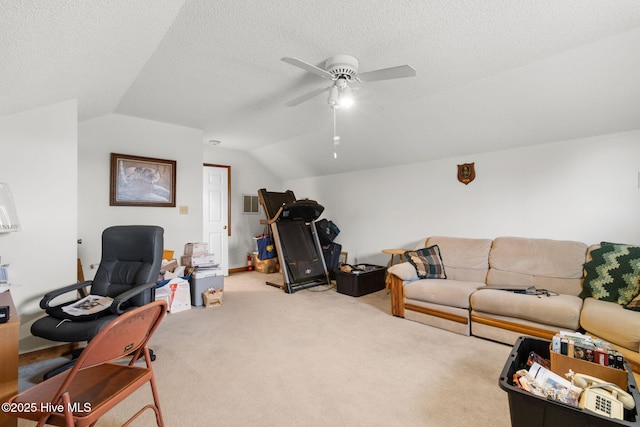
point(68, 365)
point(59, 369)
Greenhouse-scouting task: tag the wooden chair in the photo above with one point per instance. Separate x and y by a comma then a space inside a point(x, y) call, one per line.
point(96, 383)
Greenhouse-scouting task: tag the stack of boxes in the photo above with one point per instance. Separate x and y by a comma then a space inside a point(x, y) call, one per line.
point(197, 255)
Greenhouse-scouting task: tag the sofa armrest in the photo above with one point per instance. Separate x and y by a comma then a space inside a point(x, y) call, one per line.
point(404, 271)
point(611, 322)
point(397, 295)
point(398, 274)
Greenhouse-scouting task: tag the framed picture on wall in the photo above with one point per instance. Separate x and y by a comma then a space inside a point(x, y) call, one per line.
point(142, 181)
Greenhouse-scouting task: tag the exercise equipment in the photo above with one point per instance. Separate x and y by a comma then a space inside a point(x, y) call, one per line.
point(292, 224)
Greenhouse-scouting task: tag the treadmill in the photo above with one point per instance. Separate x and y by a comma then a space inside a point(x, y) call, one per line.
point(293, 228)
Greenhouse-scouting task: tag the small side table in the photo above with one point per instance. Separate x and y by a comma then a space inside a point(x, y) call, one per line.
point(393, 253)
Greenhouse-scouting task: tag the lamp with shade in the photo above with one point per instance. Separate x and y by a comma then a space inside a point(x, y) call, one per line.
point(8, 216)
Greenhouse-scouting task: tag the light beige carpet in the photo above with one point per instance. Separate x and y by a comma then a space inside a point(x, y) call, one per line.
point(317, 358)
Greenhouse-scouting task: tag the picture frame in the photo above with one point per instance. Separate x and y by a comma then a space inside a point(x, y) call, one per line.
point(343, 258)
point(142, 181)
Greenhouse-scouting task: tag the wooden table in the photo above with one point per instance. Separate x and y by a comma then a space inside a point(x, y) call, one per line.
point(8, 357)
point(393, 253)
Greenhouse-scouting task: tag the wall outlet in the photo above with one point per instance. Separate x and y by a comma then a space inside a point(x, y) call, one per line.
point(184, 210)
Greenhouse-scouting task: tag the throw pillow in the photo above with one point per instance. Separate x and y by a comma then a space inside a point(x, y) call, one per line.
point(613, 274)
point(634, 304)
point(427, 262)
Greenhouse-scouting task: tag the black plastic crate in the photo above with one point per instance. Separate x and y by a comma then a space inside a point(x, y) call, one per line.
point(370, 278)
point(529, 410)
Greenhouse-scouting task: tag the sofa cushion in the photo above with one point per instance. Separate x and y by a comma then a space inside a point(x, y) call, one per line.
point(453, 293)
point(562, 311)
point(556, 265)
point(427, 262)
point(611, 322)
point(613, 274)
point(463, 258)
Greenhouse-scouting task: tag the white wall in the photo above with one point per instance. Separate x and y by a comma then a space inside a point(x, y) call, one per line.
point(116, 133)
point(247, 177)
point(585, 190)
point(39, 161)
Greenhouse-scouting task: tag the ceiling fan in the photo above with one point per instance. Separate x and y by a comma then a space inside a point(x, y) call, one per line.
point(343, 70)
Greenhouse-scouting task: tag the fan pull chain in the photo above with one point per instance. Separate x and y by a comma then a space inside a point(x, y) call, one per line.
point(336, 138)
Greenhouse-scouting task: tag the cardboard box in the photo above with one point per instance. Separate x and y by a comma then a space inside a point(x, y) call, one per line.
point(203, 260)
point(169, 266)
point(198, 248)
point(270, 265)
point(561, 364)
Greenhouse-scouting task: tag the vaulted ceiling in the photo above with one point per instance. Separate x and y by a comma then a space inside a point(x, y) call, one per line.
point(491, 74)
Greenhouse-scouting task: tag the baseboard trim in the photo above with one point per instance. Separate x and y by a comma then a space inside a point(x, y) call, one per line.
point(238, 270)
point(46, 353)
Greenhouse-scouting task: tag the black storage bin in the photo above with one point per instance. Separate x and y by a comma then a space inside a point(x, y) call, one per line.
point(529, 410)
point(361, 282)
point(327, 231)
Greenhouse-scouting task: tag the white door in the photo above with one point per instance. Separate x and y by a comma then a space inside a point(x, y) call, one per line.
point(216, 213)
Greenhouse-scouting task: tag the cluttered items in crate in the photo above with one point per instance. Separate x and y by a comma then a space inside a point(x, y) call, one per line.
point(536, 358)
point(577, 390)
point(584, 347)
point(530, 410)
point(359, 268)
point(544, 383)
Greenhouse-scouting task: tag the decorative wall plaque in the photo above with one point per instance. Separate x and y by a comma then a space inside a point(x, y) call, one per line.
point(466, 173)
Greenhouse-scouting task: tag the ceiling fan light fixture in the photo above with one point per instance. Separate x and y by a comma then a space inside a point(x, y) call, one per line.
point(334, 97)
point(345, 99)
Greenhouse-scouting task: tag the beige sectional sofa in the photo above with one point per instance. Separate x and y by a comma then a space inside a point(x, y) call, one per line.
point(465, 304)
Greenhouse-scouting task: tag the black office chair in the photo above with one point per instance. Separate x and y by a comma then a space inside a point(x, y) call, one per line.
point(128, 273)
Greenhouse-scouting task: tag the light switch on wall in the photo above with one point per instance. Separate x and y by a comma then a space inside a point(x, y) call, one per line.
point(184, 210)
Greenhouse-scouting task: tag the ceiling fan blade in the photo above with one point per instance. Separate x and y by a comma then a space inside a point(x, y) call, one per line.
point(398, 72)
point(306, 96)
point(309, 67)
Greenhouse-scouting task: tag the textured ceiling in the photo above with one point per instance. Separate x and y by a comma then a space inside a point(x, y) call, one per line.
point(491, 74)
